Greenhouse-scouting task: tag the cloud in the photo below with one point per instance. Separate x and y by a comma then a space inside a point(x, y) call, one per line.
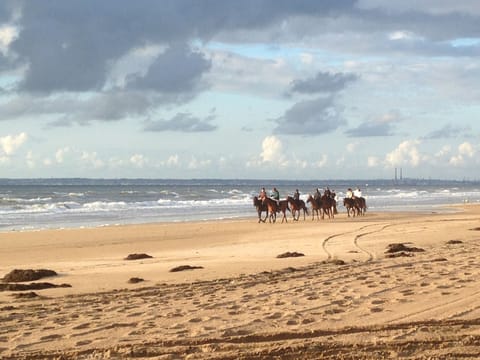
point(138, 160)
point(183, 122)
point(310, 117)
point(177, 70)
point(271, 149)
point(371, 128)
point(449, 131)
point(373, 161)
point(406, 153)
point(195, 164)
point(383, 126)
point(10, 143)
point(92, 159)
point(465, 151)
point(323, 82)
point(61, 153)
point(65, 109)
point(271, 156)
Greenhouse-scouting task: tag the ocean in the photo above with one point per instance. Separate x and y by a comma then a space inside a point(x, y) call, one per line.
point(32, 204)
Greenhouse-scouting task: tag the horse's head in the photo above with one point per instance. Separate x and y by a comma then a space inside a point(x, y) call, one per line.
point(310, 198)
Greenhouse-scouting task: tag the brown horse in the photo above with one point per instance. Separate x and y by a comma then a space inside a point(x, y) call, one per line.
point(361, 205)
point(273, 207)
point(316, 206)
point(328, 206)
point(297, 205)
point(260, 208)
point(350, 204)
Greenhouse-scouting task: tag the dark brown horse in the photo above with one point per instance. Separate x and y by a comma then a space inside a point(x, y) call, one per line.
point(297, 205)
point(273, 207)
point(260, 208)
point(361, 205)
point(351, 205)
point(316, 206)
point(328, 206)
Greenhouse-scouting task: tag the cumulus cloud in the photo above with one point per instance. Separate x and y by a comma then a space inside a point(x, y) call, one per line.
point(138, 160)
point(61, 153)
point(10, 143)
point(406, 153)
point(92, 159)
point(373, 161)
point(272, 149)
point(271, 155)
point(184, 122)
point(311, 118)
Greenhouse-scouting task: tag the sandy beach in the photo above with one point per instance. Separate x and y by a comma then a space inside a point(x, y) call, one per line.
point(342, 296)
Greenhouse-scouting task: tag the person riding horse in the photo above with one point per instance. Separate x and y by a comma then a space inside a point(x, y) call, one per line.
point(296, 197)
point(275, 195)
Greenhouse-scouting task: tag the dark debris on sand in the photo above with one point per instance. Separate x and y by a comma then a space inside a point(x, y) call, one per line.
point(453, 242)
point(185, 267)
point(26, 295)
point(394, 248)
point(18, 275)
point(290, 254)
point(31, 286)
point(135, 280)
point(399, 254)
point(138, 257)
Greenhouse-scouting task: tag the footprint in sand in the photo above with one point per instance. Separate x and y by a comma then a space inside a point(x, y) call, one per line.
point(376, 309)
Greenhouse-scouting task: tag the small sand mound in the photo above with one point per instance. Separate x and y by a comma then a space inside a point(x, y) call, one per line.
point(453, 242)
point(394, 248)
point(31, 286)
point(289, 254)
point(138, 257)
point(135, 280)
point(185, 267)
point(27, 275)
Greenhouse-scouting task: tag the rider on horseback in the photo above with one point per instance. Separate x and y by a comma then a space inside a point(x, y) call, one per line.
point(275, 195)
point(296, 197)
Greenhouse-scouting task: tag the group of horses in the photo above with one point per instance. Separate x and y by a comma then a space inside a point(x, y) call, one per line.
point(320, 206)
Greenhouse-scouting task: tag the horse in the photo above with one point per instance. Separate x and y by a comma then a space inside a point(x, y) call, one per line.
point(361, 205)
point(329, 205)
point(351, 204)
point(297, 205)
point(273, 207)
point(260, 208)
point(316, 206)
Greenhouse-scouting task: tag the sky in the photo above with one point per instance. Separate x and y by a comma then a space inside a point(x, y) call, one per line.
point(257, 89)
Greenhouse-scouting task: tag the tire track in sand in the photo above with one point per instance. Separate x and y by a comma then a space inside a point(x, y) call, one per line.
point(355, 240)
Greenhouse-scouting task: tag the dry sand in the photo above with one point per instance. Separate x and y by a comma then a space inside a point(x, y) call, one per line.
point(344, 299)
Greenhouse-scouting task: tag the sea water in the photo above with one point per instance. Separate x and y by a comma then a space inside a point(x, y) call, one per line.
point(29, 204)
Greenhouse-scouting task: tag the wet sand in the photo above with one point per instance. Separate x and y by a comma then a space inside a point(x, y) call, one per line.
point(345, 298)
